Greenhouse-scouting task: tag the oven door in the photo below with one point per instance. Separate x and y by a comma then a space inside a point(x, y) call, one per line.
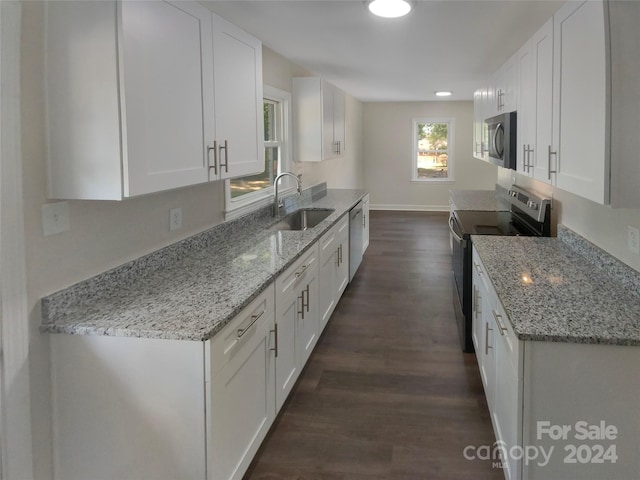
point(461, 279)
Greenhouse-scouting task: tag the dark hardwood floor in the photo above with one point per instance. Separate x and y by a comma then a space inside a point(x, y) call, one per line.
point(387, 393)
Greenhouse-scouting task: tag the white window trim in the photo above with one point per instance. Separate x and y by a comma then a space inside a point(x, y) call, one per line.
point(16, 454)
point(450, 148)
point(256, 200)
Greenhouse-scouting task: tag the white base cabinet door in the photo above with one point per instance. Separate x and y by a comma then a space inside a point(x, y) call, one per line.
point(296, 321)
point(334, 269)
point(241, 389)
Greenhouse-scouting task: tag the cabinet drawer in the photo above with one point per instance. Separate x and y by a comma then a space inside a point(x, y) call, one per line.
point(507, 337)
point(258, 315)
point(480, 273)
point(296, 273)
point(329, 242)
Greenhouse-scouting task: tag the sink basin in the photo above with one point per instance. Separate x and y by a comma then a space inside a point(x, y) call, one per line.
point(302, 219)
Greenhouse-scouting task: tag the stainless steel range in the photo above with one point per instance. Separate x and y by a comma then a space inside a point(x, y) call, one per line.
point(530, 215)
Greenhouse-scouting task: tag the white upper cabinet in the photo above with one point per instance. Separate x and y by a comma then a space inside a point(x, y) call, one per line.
point(478, 123)
point(130, 98)
point(578, 154)
point(503, 92)
point(318, 120)
point(535, 89)
point(578, 102)
point(624, 18)
point(239, 123)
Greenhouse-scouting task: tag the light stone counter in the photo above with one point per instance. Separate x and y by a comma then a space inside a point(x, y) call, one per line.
point(191, 289)
point(563, 289)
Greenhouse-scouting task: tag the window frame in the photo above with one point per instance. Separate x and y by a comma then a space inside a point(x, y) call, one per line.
point(450, 149)
point(252, 201)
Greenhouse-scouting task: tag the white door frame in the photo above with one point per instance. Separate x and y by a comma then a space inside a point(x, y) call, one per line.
point(16, 452)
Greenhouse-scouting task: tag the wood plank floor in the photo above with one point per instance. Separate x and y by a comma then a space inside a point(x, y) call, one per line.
point(387, 393)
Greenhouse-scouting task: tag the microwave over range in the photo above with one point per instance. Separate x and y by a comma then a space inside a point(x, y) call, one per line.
point(502, 138)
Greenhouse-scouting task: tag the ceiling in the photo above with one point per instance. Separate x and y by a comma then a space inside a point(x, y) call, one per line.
point(442, 45)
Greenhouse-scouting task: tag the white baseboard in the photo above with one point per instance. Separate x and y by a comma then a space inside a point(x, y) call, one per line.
point(410, 208)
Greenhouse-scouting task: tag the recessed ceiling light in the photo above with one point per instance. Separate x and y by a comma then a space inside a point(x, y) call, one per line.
point(443, 93)
point(390, 8)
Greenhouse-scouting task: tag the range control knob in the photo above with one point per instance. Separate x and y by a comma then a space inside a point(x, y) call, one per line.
point(532, 205)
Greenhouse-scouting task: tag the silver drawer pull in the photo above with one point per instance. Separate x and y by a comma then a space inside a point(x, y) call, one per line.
point(501, 327)
point(478, 269)
point(302, 270)
point(275, 346)
point(242, 331)
point(487, 347)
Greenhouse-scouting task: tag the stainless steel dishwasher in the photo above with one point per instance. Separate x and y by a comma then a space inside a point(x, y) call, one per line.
point(356, 227)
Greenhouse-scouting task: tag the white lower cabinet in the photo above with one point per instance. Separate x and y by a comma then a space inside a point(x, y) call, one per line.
point(296, 321)
point(139, 408)
point(240, 389)
point(333, 278)
point(559, 410)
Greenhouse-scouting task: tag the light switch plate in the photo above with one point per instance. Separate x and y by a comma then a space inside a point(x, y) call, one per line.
point(175, 219)
point(55, 218)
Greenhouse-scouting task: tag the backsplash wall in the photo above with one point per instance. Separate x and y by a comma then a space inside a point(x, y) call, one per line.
point(603, 226)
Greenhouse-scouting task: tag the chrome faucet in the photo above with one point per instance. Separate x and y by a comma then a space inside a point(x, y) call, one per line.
point(277, 204)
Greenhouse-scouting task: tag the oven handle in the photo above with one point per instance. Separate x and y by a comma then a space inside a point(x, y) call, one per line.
point(458, 238)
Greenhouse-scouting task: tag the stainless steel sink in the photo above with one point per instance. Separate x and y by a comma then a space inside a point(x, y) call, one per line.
point(302, 219)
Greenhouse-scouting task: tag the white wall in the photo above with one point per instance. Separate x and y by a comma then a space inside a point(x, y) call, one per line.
point(603, 226)
point(388, 150)
point(106, 234)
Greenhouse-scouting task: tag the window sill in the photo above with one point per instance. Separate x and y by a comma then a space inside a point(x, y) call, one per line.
point(243, 207)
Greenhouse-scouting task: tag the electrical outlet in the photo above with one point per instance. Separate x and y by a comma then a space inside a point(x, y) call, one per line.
point(175, 219)
point(55, 218)
point(633, 239)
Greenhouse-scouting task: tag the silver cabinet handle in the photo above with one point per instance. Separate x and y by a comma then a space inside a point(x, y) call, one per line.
point(478, 269)
point(215, 157)
point(486, 338)
point(301, 271)
point(549, 171)
point(226, 157)
point(275, 344)
point(301, 311)
point(242, 331)
point(501, 328)
point(308, 302)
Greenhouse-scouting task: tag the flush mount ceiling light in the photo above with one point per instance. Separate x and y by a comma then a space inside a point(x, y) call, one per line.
point(390, 8)
point(443, 93)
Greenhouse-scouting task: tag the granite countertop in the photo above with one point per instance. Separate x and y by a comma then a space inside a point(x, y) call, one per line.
point(190, 290)
point(563, 289)
point(484, 200)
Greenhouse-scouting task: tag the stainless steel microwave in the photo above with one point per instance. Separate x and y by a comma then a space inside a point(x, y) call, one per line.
point(502, 139)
